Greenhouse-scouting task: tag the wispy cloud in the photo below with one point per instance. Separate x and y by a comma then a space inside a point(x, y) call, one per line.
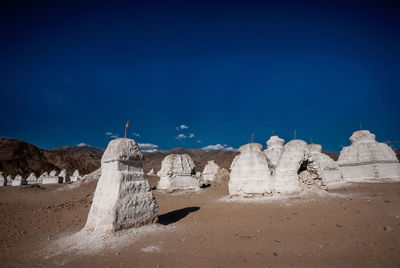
point(394, 144)
point(148, 147)
point(191, 135)
point(181, 137)
point(181, 127)
point(218, 147)
point(136, 134)
point(82, 144)
point(198, 141)
point(108, 133)
point(114, 136)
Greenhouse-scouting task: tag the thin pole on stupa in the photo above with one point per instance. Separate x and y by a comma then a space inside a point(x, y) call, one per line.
point(294, 134)
point(273, 132)
point(126, 128)
point(252, 137)
point(360, 126)
point(311, 140)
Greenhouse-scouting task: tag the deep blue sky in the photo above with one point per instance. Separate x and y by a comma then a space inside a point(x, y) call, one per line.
point(70, 72)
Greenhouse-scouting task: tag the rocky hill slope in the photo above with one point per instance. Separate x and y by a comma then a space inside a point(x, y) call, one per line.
point(19, 157)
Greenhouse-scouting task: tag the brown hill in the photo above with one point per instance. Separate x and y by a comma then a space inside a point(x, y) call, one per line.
point(19, 157)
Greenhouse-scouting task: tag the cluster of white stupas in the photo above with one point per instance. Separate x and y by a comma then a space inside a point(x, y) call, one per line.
point(292, 167)
point(46, 178)
point(124, 199)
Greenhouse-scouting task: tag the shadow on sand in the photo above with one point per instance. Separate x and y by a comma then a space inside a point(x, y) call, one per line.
point(176, 215)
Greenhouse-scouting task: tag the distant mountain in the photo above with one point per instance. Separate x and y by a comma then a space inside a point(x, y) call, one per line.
point(76, 148)
point(19, 157)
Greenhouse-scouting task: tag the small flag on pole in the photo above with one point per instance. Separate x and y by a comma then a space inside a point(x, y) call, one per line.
point(126, 128)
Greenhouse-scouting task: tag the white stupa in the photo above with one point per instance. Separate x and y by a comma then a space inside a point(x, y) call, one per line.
point(53, 173)
point(9, 180)
point(51, 179)
point(75, 176)
point(31, 179)
point(18, 181)
point(3, 180)
point(178, 172)
point(41, 177)
point(274, 151)
point(123, 197)
point(210, 170)
point(250, 174)
point(326, 168)
point(286, 178)
point(65, 176)
point(367, 160)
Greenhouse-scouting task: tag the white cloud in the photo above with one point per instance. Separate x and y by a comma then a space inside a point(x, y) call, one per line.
point(136, 134)
point(394, 144)
point(114, 136)
point(182, 127)
point(180, 136)
point(148, 147)
point(82, 144)
point(198, 141)
point(108, 133)
point(218, 147)
point(191, 135)
point(150, 151)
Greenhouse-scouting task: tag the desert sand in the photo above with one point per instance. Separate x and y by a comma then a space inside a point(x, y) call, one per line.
point(358, 225)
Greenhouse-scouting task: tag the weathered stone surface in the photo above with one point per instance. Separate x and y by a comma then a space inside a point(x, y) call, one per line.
point(274, 151)
point(31, 179)
point(178, 172)
point(123, 197)
point(210, 170)
point(367, 160)
point(286, 179)
point(3, 180)
point(222, 176)
point(151, 172)
point(250, 174)
point(326, 168)
point(53, 173)
point(18, 181)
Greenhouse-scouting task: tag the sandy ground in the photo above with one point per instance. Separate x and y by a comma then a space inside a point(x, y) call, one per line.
point(358, 225)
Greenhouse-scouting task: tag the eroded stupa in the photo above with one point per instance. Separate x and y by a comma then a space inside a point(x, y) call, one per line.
point(368, 160)
point(286, 176)
point(250, 174)
point(18, 181)
point(64, 176)
point(178, 172)
point(3, 180)
point(31, 179)
point(75, 176)
point(274, 151)
point(123, 197)
point(210, 170)
point(324, 166)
